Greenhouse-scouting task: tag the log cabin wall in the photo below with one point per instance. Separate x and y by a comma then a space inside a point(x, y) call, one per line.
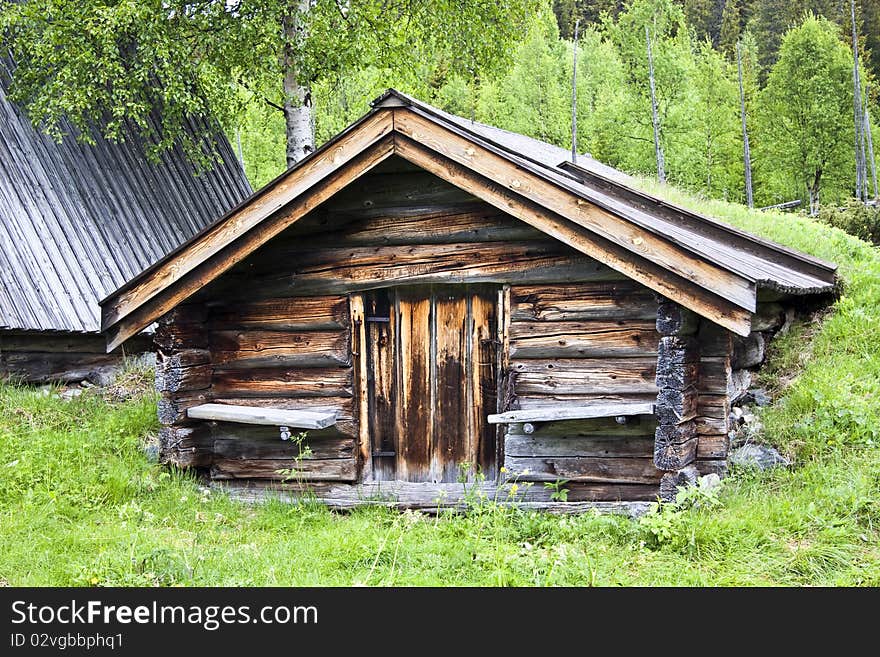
point(277, 331)
point(569, 344)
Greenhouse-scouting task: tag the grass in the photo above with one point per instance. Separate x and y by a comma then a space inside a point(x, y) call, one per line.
point(81, 505)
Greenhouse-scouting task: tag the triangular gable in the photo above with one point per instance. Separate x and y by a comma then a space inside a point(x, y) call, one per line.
point(548, 201)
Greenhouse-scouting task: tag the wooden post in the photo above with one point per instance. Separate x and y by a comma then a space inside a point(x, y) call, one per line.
point(361, 375)
point(678, 372)
point(183, 380)
point(747, 156)
point(655, 116)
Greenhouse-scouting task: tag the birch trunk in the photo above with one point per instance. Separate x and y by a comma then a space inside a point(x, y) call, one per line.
point(655, 115)
point(298, 116)
point(870, 144)
point(747, 156)
point(861, 169)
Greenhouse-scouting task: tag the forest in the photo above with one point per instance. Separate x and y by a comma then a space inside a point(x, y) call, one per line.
point(797, 85)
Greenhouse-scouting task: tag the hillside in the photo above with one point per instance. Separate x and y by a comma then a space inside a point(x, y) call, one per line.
point(80, 504)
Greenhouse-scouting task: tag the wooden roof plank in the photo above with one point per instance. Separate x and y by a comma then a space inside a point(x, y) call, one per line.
point(614, 229)
point(300, 180)
point(167, 297)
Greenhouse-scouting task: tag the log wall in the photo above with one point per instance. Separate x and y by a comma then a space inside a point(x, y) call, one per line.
point(44, 356)
point(277, 330)
point(570, 344)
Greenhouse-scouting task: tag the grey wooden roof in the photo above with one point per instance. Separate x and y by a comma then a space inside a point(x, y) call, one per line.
point(763, 262)
point(77, 221)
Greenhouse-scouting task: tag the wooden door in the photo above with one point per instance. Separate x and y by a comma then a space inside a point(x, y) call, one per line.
point(431, 379)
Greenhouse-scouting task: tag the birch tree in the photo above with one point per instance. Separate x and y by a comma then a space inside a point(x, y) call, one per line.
point(149, 65)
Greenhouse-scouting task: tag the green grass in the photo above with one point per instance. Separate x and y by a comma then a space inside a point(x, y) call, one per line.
point(81, 505)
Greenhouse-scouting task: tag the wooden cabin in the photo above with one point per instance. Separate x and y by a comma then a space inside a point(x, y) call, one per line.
point(431, 300)
point(78, 220)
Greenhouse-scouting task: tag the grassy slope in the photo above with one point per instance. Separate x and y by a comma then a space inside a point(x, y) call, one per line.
point(79, 504)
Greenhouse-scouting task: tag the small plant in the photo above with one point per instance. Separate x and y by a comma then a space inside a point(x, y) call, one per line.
point(304, 451)
point(559, 493)
point(666, 522)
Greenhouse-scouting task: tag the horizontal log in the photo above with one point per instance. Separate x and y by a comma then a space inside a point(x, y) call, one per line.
point(707, 426)
point(713, 406)
point(253, 445)
point(711, 466)
point(42, 367)
point(171, 407)
point(339, 270)
point(343, 406)
point(715, 341)
point(186, 447)
point(713, 446)
point(282, 382)
point(259, 348)
point(592, 446)
point(425, 496)
point(674, 319)
point(715, 376)
point(290, 314)
point(552, 414)
point(185, 313)
point(544, 400)
point(178, 379)
point(594, 469)
point(596, 300)
point(590, 339)
point(305, 470)
point(421, 224)
point(299, 419)
point(182, 358)
point(405, 189)
point(638, 425)
point(73, 343)
point(173, 337)
point(585, 376)
point(676, 406)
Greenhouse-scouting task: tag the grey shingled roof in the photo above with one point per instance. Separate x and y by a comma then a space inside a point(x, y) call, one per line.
point(77, 221)
point(761, 261)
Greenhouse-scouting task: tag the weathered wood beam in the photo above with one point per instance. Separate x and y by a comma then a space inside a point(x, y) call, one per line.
point(260, 415)
point(595, 232)
point(552, 414)
point(163, 288)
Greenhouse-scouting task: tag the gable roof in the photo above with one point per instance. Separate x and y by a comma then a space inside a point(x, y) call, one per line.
point(707, 266)
point(77, 221)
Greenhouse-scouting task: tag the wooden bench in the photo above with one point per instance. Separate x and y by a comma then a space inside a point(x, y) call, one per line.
point(278, 417)
point(530, 419)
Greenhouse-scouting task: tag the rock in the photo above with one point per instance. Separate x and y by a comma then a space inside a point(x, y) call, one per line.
point(760, 397)
point(759, 457)
point(748, 418)
point(738, 384)
point(748, 351)
point(769, 316)
point(70, 393)
point(709, 482)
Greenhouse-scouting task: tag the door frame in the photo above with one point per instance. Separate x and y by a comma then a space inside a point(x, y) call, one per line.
point(361, 378)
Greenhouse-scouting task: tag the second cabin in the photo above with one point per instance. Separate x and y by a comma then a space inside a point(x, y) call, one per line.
point(427, 299)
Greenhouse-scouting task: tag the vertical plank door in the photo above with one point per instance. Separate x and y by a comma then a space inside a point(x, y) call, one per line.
point(432, 381)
